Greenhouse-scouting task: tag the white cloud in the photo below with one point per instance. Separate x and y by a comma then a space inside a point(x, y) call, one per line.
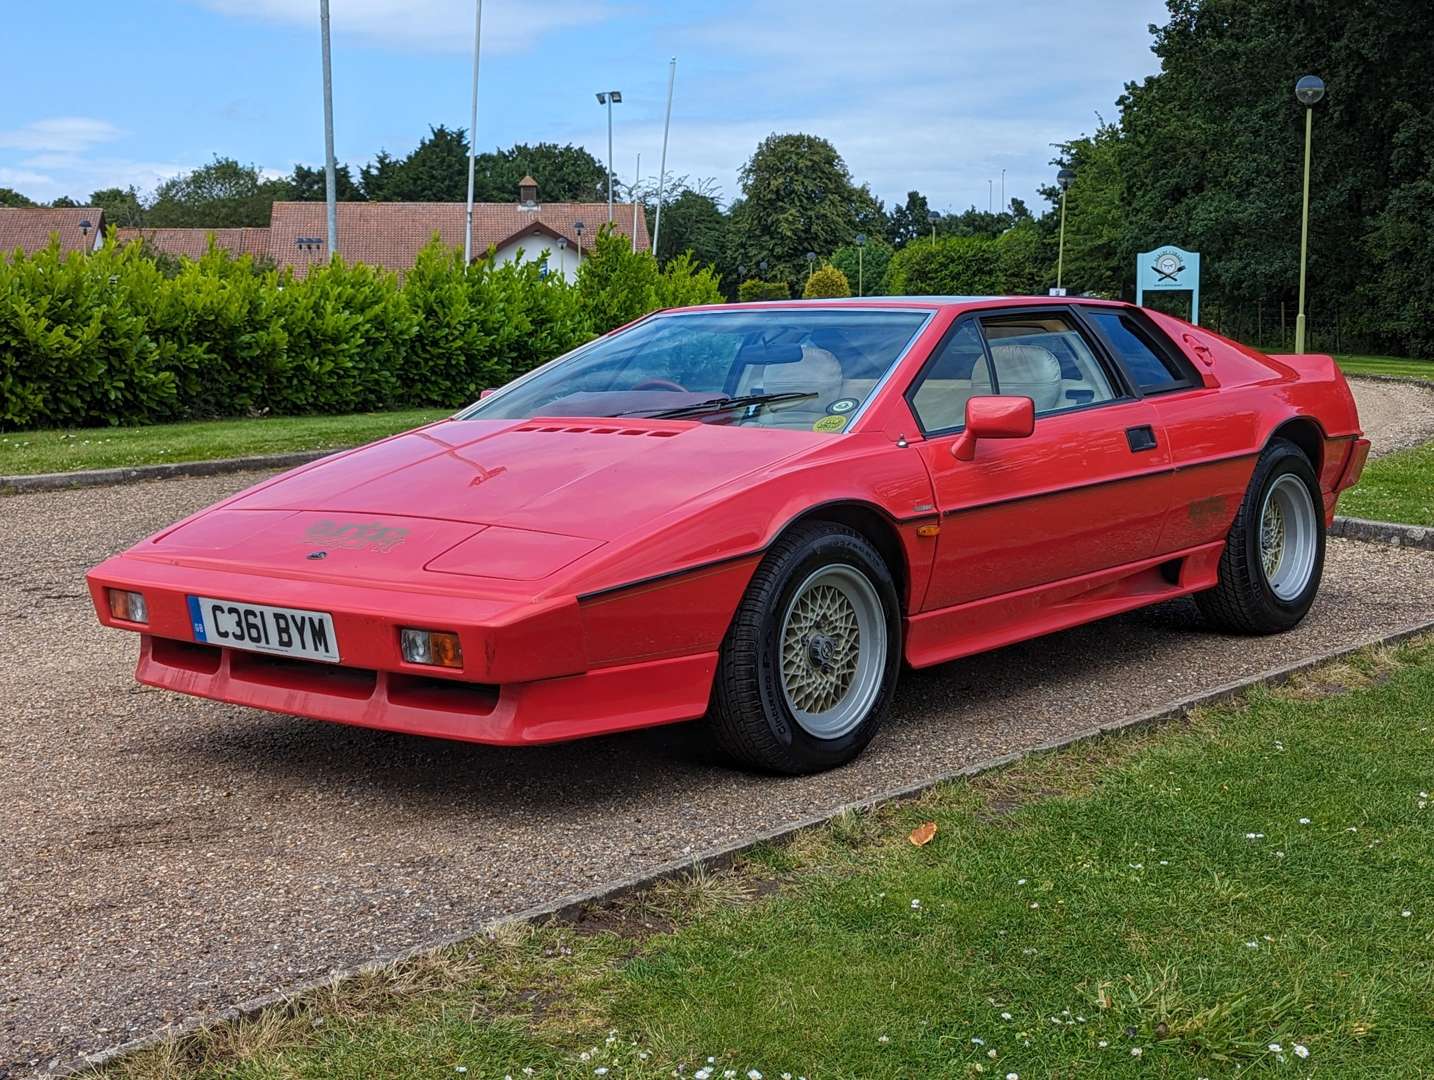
point(428, 25)
point(60, 134)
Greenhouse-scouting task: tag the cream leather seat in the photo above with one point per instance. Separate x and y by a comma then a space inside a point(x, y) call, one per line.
point(1029, 371)
point(817, 372)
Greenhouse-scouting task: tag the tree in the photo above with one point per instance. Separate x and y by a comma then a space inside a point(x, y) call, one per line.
point(564, 173)
point(310, 185)
point(1100, 248)
point(12, 198)
point(222, 194)
point(797, 196)
point(692, 222)
point(908, 221)
point(437, 170)
point(122, 206)
point(867, 270)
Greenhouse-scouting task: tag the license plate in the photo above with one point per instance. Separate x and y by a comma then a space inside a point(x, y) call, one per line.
point(260, 628)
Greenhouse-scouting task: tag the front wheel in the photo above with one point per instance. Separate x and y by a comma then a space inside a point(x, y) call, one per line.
point(810, 662)
point(1274, 556)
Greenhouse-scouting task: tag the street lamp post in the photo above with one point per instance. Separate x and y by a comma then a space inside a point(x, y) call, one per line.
point(609, 98)
point(811, 264)
point(1308, 91)
point(860, 278)
point(933, 217)
point(1063, 178)
point(578, 228)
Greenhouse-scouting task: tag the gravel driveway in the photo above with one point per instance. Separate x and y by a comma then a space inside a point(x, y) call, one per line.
point(166, 855)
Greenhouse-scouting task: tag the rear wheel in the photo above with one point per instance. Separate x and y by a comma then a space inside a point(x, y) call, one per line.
point(1274, 556)
point(810, 662)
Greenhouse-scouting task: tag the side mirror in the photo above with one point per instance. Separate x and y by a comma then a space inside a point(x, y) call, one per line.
point(995, 416)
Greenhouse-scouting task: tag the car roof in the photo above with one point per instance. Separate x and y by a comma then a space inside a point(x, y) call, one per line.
point(930, 303)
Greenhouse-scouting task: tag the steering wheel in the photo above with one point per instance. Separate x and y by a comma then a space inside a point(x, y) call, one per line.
point(659, 384)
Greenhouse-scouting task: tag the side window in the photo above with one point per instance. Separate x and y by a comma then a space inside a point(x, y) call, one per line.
point(1043, 357)
point(1151, 370)
point(957, 373)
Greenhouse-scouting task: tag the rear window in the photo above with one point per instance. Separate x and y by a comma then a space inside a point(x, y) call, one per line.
point(1148, 365)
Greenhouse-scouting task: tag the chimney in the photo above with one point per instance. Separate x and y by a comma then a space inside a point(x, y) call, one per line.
point(528, 192)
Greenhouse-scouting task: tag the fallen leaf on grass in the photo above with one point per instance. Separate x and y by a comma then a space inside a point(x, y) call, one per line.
point(922, 834)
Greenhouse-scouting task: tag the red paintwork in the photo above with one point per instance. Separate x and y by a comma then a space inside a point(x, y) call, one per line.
point(591, 566)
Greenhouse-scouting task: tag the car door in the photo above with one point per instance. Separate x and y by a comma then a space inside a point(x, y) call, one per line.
point(1212, 449)
point(1085, 492)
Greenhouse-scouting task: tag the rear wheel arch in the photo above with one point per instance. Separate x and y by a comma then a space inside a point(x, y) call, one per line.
point(872, 523)
point(1306, 434)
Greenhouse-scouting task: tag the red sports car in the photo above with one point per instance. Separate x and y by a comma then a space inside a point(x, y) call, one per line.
point(756, 513)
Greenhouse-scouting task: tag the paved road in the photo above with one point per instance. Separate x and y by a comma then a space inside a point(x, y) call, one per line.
point(165, 856)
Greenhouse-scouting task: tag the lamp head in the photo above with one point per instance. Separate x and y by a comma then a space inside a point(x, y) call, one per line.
point(1309, 90)
point(1064, 178)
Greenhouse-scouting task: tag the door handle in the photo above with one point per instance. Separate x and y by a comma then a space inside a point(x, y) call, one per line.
point(1140, 438)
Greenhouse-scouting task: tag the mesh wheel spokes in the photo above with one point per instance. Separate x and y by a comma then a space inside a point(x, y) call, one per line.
point(1289, 537)
point(833, 650)
point(1272, 538)
point(820, 649)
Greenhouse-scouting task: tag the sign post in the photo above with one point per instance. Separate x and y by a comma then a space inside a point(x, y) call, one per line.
point(1169, 269)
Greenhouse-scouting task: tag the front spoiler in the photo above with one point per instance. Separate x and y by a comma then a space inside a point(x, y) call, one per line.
point(548, 710)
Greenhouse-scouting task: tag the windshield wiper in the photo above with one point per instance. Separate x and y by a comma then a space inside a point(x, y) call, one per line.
point(722, 404)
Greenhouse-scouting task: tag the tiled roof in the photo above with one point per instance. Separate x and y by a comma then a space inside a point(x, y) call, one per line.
point(390, 234)
point(193, 243)
point(30, 228)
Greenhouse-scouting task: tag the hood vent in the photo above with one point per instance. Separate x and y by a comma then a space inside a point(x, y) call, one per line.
point(595, 429)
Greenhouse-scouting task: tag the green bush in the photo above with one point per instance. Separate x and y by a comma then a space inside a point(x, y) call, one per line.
point(949, 266)
point(826, 282)
point(868, 268)
point(753, 289)
point(119, 337)
point(618, 284)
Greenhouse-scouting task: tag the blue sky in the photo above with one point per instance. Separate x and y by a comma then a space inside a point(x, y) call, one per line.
point(937, 96)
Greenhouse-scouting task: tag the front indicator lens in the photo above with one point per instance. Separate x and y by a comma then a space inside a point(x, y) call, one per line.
point(436, 648)
point(129, 606)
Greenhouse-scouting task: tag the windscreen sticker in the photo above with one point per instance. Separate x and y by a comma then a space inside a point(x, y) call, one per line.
point(830, 423)
point(843, 405)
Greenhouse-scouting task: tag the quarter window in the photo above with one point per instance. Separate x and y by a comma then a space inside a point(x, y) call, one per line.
point(957, 374)
point(1152, 371)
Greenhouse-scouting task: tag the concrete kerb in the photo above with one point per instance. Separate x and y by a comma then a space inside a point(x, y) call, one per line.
point(1383, 532)
point(133, 474)
point(568, 907)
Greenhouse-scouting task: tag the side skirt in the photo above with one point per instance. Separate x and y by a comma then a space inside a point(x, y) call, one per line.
point(934, 637)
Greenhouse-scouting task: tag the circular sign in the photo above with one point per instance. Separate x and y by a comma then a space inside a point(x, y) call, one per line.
point(830, 423)
point(1168, 263)
point(843, 405)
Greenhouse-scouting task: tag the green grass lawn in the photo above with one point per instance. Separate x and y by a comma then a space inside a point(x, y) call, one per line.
point(1387, 365)
point(1398, 487)
point(103, 448)
point(1247, 891)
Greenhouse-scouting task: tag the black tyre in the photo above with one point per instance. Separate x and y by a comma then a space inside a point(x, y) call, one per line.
point(1274, 555)
point(810, 662)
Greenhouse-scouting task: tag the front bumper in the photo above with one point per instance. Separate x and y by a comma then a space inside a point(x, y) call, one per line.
point(513, 714)
point(527, 676)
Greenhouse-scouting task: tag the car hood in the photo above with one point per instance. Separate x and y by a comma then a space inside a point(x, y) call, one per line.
point(579, 478)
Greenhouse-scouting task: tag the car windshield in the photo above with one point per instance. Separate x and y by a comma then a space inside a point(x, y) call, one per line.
point(784, 367)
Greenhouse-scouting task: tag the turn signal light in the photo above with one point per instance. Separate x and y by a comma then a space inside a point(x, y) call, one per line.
point(129, 606)
point(437, 648)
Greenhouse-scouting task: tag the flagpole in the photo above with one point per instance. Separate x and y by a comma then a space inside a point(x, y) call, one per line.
point(330, 178)
point(662, 169)
point(472, 141)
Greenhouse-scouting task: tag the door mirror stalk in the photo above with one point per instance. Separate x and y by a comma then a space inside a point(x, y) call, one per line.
point(994, 416)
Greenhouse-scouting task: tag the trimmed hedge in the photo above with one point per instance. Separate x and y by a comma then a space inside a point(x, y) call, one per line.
point(753, 289)
point(967, 265)
point(108, 338)
point(826, 282)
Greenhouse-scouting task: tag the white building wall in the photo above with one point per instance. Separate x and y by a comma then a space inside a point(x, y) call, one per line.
point(563, 262)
